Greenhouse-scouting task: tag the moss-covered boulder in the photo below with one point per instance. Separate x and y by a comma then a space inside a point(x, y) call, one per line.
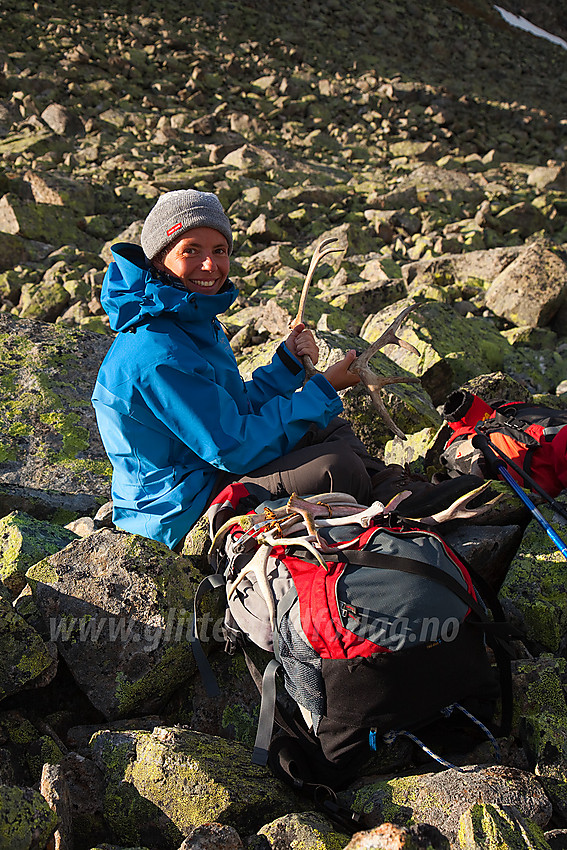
point(487, 827)
point(535, 584)
point(24, 541)
point(49, 438)
point(26, 821)
point(160, 784)
point(308, 829)
point(42, 222)
point(389, 836)
point(441, 798)
point(531, 289)
point(24, 657)
point(29, 746)
point(119, 608)
point(541, 717)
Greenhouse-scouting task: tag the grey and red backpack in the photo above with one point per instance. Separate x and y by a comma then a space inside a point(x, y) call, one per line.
point(377, 626)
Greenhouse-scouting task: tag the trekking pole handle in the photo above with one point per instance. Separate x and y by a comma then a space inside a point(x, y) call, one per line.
point(481, 441)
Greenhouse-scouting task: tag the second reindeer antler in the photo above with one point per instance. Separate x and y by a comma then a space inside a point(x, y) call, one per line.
point(373, 382)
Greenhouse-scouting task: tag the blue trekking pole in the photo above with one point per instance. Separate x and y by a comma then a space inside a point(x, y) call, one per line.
point(480, 441)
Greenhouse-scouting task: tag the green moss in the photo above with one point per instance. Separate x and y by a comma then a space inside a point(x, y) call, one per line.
point(243, 723)
point(304, 831)
point(25, 540)
point(177, 663)
point(536, 583)
point(18, 729)
point(493, 828)
point(42, 572)
point(43, 751)
point(75, 438)
point(25, 818)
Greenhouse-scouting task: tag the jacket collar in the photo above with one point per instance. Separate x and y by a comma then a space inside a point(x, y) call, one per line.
point(132, 292)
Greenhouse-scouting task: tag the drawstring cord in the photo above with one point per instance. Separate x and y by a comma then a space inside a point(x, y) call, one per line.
point(393, 734)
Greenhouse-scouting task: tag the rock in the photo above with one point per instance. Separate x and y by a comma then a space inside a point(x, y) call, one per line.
point(118, 607)
point(531, 289)
point(54, 789)
point(24, 655)
point(212, 836)
point(63, 191)
point(449, 185)
point(46, 504)
point(439, 799)
point(24, 541)
point(541, 712)
point(308, 829)
point(488, 549)
point(62, 121)
point(41, 222)
point(86, 788)
point(265, 229)
point(35, 143)
point(549, 177)
point(485, 825)
point(473, 265)
point(365, 298)
point(162, 784)
point(26, 821)
point(50, 440)
point(522, 218)
point(13, 250)
point(388, 836)
point(534, 584)
point(252, 159)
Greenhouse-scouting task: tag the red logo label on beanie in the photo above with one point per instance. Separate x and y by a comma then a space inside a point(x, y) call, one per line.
point(173, 229)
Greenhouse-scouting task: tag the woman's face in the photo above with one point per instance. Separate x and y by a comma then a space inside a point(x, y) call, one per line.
point(199, 258)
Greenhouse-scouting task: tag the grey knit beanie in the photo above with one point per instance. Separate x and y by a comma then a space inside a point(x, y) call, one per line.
point(176, 212)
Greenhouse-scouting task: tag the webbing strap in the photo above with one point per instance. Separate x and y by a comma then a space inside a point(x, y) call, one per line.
point(267, 713)
point(213, 582)
point(284, 605)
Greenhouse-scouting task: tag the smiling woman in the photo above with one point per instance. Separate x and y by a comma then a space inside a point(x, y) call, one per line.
point(176, 418)
point(198, 258)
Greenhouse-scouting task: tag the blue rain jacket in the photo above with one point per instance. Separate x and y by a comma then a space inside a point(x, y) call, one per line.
point(172, 408)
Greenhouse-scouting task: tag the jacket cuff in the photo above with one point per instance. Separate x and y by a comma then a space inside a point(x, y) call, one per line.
point(290, 362)
point(322, 384)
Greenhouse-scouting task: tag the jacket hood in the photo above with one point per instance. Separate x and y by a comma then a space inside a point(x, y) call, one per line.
point(132, 294)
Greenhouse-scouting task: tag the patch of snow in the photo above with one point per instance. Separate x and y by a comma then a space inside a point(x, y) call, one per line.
point(524, 24)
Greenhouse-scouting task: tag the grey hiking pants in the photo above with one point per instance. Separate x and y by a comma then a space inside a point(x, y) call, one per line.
point(324, 460)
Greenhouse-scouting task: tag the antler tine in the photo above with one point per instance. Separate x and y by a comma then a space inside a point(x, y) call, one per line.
point(321, 251)
point(389, 337)
point(375, 383)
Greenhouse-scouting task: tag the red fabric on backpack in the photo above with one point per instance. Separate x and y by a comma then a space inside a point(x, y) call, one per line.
point(320, 618)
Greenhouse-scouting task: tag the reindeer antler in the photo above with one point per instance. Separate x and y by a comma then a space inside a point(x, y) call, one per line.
point(321, 251)
point(373, 382)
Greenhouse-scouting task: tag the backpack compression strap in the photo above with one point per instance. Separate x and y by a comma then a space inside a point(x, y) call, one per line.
point(212, 582)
